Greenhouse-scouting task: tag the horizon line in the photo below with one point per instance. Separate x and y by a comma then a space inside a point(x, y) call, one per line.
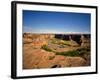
point(59, 33)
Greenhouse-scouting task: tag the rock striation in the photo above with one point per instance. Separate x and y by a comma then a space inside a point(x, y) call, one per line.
point(37, 40)
point(34, 57)
point(42, 59)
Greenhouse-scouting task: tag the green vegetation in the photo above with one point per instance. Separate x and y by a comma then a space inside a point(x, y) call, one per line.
point(83, 49)
point(51, 57)
point(60, 42)
point(79, 52)
point(45, 47)
point(55, 41)
point(69, 53)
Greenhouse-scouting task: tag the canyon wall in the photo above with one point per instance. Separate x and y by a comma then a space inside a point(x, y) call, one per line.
point(42, 39)
point(37, 40)
point(81, 39)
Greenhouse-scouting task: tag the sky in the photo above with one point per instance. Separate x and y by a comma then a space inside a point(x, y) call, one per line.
point(55, 22)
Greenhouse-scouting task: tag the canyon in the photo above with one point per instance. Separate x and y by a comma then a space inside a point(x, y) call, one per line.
point(56, 50)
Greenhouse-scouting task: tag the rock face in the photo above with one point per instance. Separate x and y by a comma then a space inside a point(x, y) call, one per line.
point(42, 59)
point(42, 39)
point(37, 40)
point(85, 42)
point(73, 37)
point(73, 43)
point(34, 57)
point(27, 40)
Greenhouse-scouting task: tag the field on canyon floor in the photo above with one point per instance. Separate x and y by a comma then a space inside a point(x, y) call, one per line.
point(56, 50)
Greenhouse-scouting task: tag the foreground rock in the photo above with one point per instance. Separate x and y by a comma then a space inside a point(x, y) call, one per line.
point(39, 58)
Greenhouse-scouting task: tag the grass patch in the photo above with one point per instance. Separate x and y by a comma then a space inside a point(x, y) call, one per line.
point(55, 41)
point(65, 43)
point(45, 47)
point(83, 49)
point(60, 42)
point(68, 53)
point(51, 57)
point(79, 52)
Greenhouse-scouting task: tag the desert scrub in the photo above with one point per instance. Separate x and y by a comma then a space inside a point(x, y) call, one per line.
point(55, 41)
point(84, 52)
point(65, 43)
point(51, 57)
point(60, 42)
point(69, 53)
point(79, 52)
point(83, 49)
point(45, 47)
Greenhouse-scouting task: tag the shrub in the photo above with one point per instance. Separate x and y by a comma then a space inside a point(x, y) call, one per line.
point(60, 42)
point(83, 49)
point(51, 57)
point(78, 52)
point(68, 53)
point(45, 47)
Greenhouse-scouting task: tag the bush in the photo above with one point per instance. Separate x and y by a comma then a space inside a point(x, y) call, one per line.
point(83, 49)
point(79, 52)
point(45, 47)
point(51, 57)
point(65, 43)
point(68, 53)
point(60, 42)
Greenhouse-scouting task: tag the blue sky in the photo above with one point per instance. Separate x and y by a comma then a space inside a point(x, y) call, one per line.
point(55, 22)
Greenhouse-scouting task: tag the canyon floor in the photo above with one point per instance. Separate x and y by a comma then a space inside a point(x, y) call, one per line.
point(46, 51)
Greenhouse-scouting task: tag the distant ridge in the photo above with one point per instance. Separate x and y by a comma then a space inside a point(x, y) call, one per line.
point(67, 33)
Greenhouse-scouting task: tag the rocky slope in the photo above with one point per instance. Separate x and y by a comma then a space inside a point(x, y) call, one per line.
point(42, 59)
point(35, 57)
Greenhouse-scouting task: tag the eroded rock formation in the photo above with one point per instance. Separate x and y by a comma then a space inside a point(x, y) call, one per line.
point(42, 59)
point(34, 57)
point(37, 40)
point(85, 42)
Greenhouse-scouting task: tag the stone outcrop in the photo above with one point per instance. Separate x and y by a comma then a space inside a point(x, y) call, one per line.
point(78, 38)
point(37, 40)
point(42, 39)
point(42, 59)
point(27, 40)
point(73, 43)
point(38, 43)
point(84, 41)
point(34, 57)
